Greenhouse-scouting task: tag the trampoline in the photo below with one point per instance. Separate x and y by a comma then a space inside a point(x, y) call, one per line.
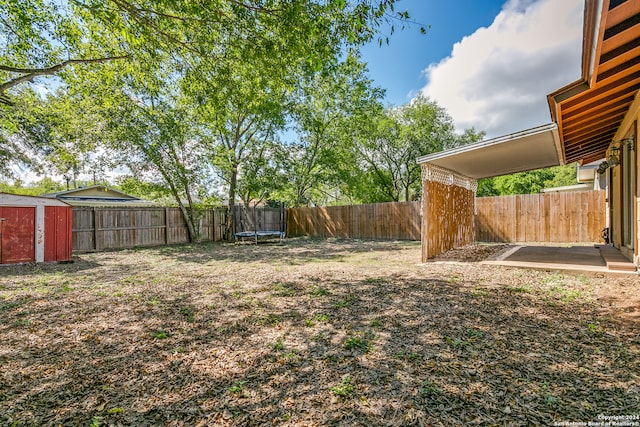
point(254, 235)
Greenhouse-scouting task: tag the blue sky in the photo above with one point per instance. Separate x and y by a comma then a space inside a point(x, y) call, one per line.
point(490, 63)
point(399, 66)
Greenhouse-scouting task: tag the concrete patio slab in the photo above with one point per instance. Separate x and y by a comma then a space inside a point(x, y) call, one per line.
point(571, 258)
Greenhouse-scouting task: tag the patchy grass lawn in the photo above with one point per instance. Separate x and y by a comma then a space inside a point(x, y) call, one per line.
point(311, 332)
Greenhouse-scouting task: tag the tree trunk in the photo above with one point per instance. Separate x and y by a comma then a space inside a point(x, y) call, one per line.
point(229, 226)
point(188, 219)
point(187, 214)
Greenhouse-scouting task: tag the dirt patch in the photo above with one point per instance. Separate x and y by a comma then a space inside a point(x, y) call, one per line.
point(472, 253)
point(311, 332)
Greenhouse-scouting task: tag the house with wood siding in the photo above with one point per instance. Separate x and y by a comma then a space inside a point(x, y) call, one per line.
point(593, 119)
point(597, 115)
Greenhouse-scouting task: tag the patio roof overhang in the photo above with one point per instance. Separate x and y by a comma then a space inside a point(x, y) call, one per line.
point(590, 111)
point(522, 151)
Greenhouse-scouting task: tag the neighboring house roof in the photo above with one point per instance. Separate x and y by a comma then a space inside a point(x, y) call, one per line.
point(590, 111)
point(98, 195)
point(526, 150)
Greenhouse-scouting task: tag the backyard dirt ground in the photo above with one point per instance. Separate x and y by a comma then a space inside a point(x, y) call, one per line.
point(314, 332)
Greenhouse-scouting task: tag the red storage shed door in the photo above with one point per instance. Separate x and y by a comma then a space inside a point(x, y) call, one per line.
point(17, 231)
point(57, 233)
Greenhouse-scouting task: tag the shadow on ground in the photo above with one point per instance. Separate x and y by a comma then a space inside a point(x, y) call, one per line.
point(443, 345)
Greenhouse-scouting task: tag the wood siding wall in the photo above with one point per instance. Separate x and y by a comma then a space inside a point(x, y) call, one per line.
point(551, 217)
point(397, 220)
point(448, 220)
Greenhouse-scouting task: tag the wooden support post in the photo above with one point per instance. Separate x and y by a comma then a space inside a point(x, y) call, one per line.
point(96, 245)
point(166, 225)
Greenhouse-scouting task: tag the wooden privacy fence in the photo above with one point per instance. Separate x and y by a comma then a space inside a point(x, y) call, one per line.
point(396, 220)
point(548, 217)
point(101, 228)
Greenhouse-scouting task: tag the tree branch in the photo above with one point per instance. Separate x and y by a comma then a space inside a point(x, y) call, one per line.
point(32, 73)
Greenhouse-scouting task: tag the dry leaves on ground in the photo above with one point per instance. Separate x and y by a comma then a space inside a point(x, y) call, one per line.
point(312, 332)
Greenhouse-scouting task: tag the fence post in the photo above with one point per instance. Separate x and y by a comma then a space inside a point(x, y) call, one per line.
point(166, 225)
point(96, 215)
point(213, 225)
point(95, 224)
point(283, 219)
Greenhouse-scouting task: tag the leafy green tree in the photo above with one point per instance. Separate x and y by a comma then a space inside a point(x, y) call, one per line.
point(50, 133)
point(387, 151)
point(523, 182)
point(563, 176)
point(45, 185)
point(147, 190)
point(41, 38)
point(242, 100)
point(44, 37)
point(261, 178)
point(149, 65)
point(528, 182)
point(240, 109)
point(325, 108)
point(157, 140)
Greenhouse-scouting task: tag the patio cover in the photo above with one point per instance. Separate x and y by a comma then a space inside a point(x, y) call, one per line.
point(530, 149)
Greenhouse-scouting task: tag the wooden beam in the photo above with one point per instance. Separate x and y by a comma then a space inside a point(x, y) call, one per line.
point(591, 135)
point(622, 12)
point(602, 110)
point(622, 85)
point(607, 121)
point(620, 39)
point(624, 60)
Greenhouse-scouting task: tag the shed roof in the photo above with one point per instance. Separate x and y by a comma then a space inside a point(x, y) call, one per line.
point(7, 199)
point(526, 150)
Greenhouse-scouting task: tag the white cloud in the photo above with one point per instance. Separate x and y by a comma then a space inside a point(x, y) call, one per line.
point(497, 78)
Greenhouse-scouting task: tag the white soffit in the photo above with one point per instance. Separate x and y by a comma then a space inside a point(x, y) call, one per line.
point(517, 152)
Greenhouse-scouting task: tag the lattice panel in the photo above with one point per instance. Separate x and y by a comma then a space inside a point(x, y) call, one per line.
point(447, 177)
